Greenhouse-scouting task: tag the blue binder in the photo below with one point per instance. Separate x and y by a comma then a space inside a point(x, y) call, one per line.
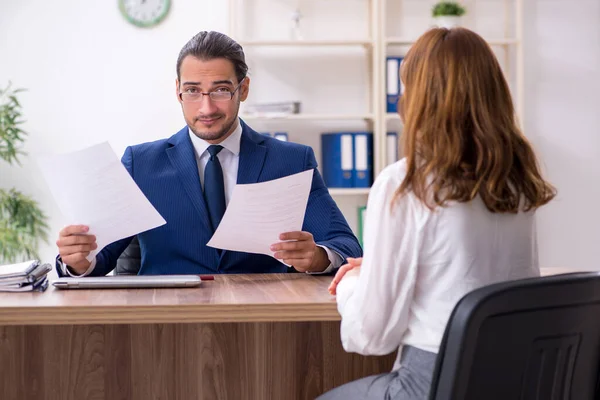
point(363, 160)
point(391, 148)
point(393, 83)
point(337, 159)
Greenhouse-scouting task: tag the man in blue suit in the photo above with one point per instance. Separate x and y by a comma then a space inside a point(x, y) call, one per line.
point(189, 179)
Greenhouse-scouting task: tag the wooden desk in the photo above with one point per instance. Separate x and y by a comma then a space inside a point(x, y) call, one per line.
point(238, 337)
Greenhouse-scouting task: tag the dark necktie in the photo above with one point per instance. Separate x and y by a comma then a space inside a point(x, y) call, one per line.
point(214, 186)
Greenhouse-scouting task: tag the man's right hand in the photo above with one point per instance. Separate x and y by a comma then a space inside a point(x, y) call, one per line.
point(74, 245)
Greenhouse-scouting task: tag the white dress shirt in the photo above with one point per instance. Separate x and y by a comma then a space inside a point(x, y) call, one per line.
point(418, 263)
point(229, 158)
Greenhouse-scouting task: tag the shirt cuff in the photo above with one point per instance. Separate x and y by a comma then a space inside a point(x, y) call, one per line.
point(335, 261)
point(67, 271)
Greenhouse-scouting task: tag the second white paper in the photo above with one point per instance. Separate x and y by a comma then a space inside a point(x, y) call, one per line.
point(93, 188)
point(259, 212)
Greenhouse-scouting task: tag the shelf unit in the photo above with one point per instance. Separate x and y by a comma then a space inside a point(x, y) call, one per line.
point(370, 44)
point(311, 43)
point(349, 191)
point(311, 117)
point(511, 45)
point(378, 44)
point(492, 42)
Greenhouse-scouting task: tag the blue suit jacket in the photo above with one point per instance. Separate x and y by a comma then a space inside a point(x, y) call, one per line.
point(167, 173)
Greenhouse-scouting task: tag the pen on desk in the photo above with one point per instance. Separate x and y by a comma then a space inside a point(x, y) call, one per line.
point(207, 277)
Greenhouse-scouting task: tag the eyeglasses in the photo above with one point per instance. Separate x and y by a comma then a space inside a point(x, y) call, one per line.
point(221, 95)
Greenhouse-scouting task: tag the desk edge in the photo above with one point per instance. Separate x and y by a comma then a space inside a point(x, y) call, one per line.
point(154, 314)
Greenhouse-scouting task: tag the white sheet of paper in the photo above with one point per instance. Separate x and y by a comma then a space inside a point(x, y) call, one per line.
point(93, 188)
point(259, 212)
point(17, 268)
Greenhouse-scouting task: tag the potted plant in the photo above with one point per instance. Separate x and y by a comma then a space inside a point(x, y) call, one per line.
point(447, 14)
point(22, 223)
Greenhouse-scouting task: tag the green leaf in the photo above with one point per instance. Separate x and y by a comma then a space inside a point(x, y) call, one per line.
point(14, 100)
point(12, 137)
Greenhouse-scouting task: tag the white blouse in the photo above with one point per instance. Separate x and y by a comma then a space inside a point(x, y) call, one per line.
point(418, 263)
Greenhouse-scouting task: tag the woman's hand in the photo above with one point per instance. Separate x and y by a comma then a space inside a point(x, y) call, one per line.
point(352, 268)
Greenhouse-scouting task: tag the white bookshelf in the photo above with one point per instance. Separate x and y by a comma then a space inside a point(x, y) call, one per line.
point(349, 191)
point(310, 117)
point(310, 43)
point(377, 42)
point(493, 42)
point(508, 39)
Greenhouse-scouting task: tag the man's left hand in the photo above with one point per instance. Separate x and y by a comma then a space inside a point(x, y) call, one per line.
point(300, 251)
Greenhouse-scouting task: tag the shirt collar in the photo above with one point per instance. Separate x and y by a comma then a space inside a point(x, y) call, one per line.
point(232, 143)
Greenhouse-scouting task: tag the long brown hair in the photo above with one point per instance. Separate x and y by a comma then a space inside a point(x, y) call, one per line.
point(460, 135)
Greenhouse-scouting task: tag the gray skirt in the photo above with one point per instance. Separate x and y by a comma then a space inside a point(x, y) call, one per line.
point(411, 381)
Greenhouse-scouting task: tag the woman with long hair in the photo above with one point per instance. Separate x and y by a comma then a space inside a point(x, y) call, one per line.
point(455, 214)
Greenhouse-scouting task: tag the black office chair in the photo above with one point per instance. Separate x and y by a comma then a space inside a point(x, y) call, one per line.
point(130, 261)
point(531, 339)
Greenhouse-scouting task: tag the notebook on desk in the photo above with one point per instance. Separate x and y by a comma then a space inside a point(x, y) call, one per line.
point(128, 281)
point(27, 276)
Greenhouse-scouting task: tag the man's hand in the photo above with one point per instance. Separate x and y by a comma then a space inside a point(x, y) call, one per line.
point(74, 245)
point(352, 268)
point(301, 252)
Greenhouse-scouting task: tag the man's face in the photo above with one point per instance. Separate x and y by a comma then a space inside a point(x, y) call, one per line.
point(210, 120)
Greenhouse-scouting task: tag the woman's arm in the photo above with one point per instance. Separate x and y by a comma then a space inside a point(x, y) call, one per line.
point(375, 304)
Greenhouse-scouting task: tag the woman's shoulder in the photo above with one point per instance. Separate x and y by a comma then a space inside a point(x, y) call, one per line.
point(387, 184)
point(388, 181)
point(393, 173)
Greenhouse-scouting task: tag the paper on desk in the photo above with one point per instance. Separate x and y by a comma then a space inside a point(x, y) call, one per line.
point(259, 212)
point(93, 188)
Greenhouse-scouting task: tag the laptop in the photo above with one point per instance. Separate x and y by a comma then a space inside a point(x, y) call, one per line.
point(128, 281)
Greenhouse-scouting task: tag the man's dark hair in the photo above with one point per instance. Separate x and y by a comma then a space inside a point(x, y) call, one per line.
point(210, 45)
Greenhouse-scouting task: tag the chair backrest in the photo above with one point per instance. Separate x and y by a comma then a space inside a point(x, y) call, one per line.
point(130, 261)
point(528, 339)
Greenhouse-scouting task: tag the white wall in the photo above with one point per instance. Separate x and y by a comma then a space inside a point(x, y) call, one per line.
point(93, 77)
point(563, 118)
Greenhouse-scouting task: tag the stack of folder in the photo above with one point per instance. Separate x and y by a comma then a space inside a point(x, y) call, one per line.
point(30, 276)
point(347, 159)
point(273, 109)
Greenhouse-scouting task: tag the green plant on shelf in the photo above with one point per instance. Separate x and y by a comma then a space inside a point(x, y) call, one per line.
point(448, 8)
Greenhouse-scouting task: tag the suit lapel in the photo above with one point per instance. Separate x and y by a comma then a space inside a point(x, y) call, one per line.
point(252, 156)
point(183, 159)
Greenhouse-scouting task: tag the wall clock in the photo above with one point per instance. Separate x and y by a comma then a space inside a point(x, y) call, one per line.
point(144, 13)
